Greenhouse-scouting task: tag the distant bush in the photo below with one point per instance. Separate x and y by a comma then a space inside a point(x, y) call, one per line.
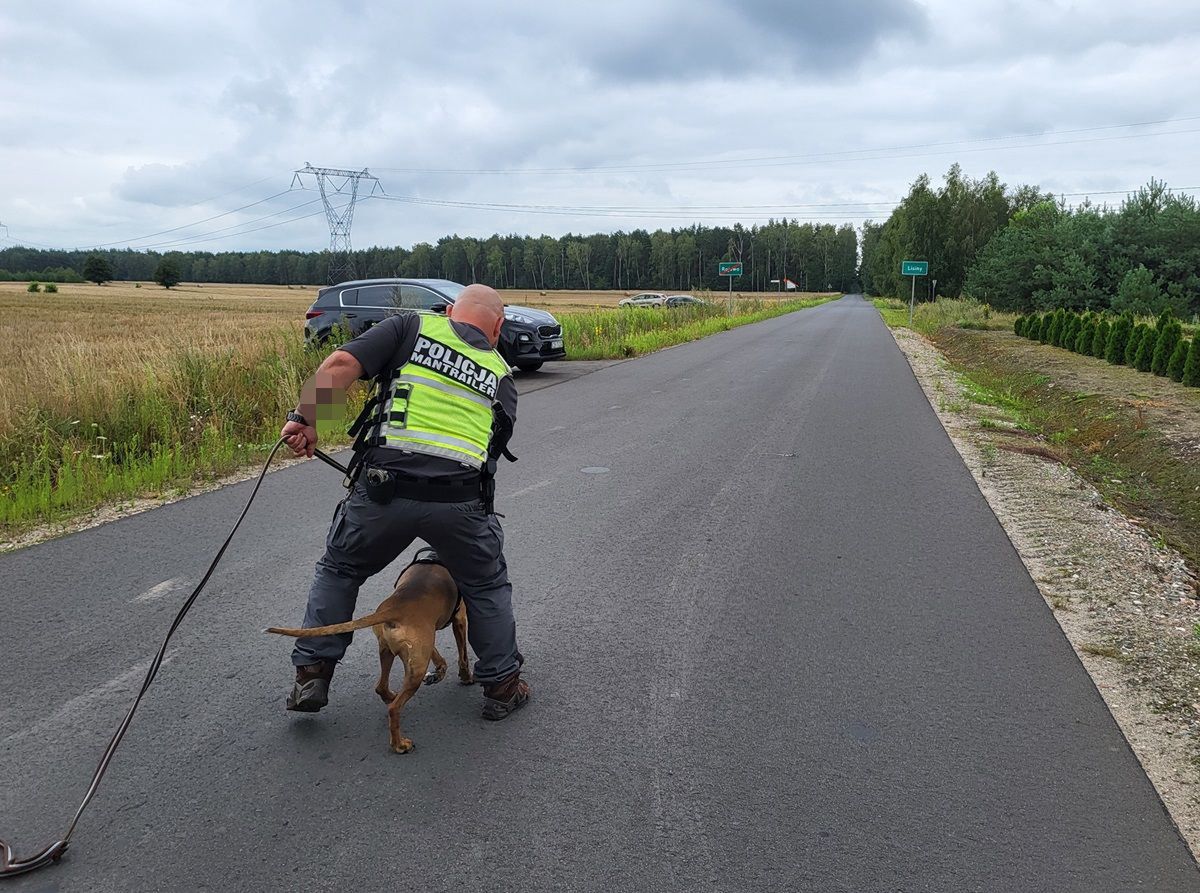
point(33, 287)
point(1019, 325)
point(51, 288)
point(97, 269)
point(166, 274)
point(51, 274)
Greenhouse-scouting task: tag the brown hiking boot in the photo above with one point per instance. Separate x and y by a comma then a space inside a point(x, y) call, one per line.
point(311, 691)
point(505, 697)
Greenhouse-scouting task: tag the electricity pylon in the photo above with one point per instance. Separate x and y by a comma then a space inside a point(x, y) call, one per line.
point(332, 182)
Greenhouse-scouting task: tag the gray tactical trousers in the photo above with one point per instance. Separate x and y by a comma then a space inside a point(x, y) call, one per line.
point(365, 537)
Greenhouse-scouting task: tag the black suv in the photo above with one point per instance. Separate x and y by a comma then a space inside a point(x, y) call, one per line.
point(527, 339)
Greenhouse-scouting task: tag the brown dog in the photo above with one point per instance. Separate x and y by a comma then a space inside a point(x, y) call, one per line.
point(425, 600)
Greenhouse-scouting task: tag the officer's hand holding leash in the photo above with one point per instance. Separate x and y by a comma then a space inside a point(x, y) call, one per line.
point(299, 435)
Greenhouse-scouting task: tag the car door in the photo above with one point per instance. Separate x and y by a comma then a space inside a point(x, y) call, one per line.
point(418, 297)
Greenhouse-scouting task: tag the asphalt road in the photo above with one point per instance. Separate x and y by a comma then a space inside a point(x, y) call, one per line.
point(777, 641)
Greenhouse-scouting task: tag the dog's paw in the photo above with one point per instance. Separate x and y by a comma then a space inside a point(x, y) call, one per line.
point(466, 679)
point(404, 745)
point(435, 677)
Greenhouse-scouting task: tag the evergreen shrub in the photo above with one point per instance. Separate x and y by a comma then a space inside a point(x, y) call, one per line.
point(1145, 350)
point(1134, 342)
point(1164, 346)
point(1191, 366)
point(1118, 339)
point(1101, 338)
point(1178, 360)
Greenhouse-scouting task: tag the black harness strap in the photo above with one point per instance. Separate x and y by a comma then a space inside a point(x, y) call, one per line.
point(427, 555)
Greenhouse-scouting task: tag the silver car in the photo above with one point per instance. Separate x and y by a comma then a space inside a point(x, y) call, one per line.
point(645, 299)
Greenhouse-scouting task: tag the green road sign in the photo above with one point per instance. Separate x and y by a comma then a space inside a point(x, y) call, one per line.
point(729, 268)
point(914, 268)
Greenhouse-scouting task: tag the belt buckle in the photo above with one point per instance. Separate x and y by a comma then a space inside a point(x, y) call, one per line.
point(377, 476)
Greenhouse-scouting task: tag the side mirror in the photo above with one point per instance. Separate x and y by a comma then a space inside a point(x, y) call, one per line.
point(438, 308)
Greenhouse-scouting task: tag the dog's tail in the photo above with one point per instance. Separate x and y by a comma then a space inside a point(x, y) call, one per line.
point(361, 623)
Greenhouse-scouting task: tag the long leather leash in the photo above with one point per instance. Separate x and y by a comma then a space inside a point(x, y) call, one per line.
point(10, 865)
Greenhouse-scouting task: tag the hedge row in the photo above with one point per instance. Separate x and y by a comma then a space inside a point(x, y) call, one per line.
point(1159, 348)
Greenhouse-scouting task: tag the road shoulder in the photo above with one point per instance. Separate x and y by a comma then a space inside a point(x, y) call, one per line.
point(1122, 599)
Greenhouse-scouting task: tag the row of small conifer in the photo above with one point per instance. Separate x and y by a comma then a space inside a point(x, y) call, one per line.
point(1160, 348)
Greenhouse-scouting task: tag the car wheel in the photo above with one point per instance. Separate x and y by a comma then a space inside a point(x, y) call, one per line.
point(530, 367)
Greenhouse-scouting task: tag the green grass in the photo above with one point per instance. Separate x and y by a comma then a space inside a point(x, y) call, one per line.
point(631, 332)
point(187, 413)
point(1123, 456)
point(202, 415)
point(931, 317)
point(893, 311)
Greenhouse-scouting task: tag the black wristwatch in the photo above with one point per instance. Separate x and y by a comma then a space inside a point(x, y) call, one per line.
point(294, 416)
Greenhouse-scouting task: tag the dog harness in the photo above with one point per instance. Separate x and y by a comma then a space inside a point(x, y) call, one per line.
point(428, 555)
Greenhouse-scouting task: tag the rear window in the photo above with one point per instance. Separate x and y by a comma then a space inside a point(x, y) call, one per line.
point(388, 296)
point(349, 297)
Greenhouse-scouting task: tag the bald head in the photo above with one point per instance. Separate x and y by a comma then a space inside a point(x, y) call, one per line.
point(480, 306)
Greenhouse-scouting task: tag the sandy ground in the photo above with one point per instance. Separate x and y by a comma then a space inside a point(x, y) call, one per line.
point(1126, 603)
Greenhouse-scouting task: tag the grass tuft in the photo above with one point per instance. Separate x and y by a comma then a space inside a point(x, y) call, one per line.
point(630, 332)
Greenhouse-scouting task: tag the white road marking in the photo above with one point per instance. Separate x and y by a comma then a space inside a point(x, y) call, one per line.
point(166, 587)
point(68, 715)
point(529, 489)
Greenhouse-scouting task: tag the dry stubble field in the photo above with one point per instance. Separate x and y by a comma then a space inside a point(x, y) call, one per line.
point(130, 389)
point(89, 341)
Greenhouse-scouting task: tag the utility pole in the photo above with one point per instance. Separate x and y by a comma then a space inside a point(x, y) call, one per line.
point(332, 182)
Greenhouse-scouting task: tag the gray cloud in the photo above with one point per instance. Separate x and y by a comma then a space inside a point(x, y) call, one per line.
point(152, 108)
point(706, 38)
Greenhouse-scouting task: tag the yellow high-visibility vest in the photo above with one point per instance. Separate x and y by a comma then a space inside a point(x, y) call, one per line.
point(439, 403)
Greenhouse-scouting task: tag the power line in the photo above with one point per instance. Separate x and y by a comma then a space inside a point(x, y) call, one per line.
point(186, 225)
point(854, 211)
point(640, 213)
point(200, 236)
point(203, 201)
point(256, 229)
point(815, 157)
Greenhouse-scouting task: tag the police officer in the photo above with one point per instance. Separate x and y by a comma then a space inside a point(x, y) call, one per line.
point(441, 386)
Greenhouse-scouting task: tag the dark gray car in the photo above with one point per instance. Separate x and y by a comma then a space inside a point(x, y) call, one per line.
point(528, 337)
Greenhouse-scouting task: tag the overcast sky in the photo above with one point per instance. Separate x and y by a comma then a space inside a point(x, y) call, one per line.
point(125, 118)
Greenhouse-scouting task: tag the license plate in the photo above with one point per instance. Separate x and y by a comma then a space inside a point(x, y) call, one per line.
point(556, 345)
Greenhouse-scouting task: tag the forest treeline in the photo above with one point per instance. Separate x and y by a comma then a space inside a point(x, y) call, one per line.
point(816, 257)
point(1020, 249)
